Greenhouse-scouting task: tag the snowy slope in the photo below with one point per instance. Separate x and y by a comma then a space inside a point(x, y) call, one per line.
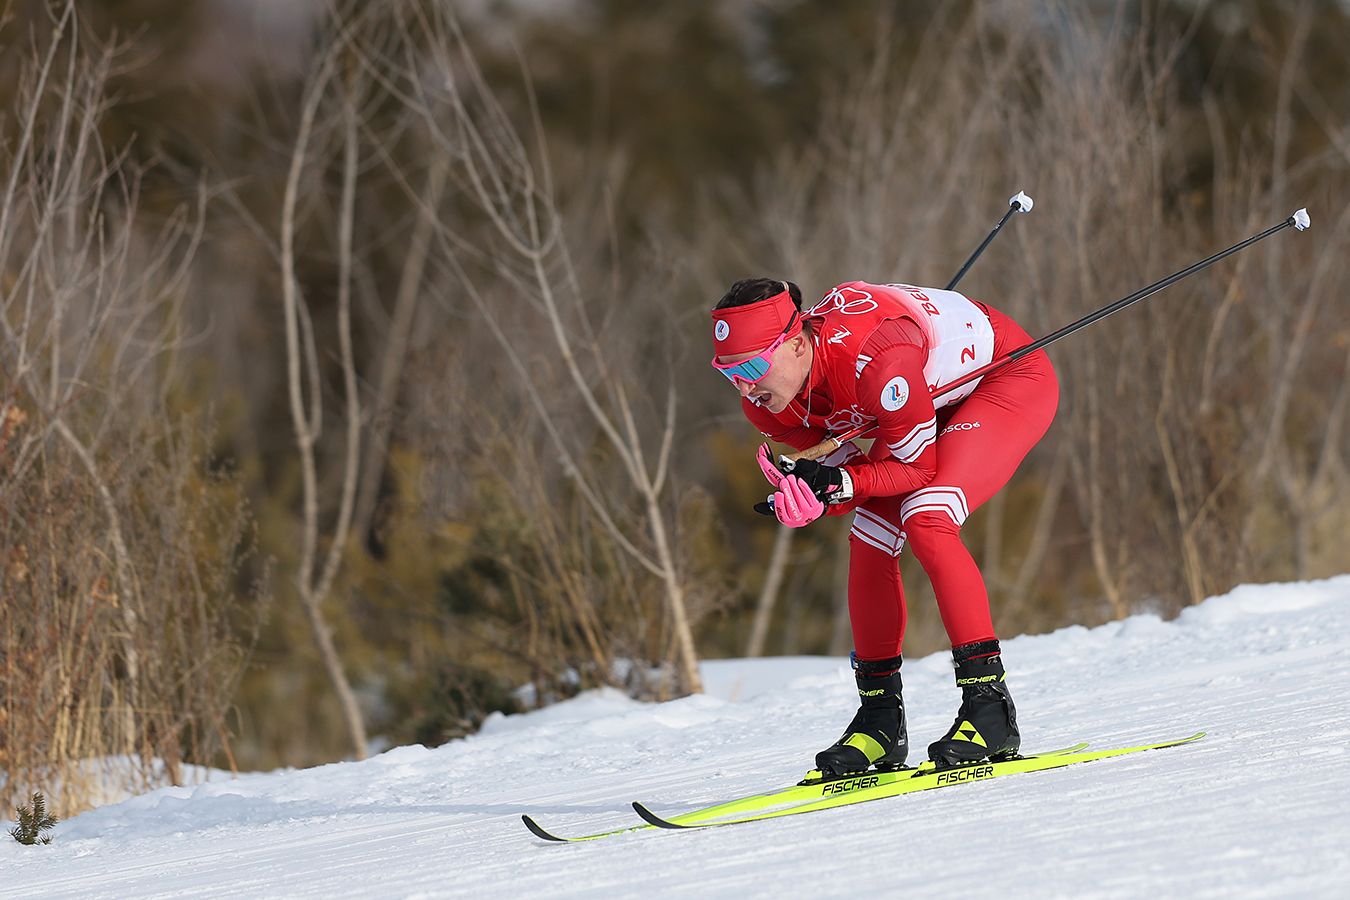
point(1256, 809)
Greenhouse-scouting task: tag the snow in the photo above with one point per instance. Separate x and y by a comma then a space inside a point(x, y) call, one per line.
point(1254, 810)
point(104, 780)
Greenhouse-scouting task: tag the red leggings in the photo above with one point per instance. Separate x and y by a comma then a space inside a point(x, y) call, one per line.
point(981, 443)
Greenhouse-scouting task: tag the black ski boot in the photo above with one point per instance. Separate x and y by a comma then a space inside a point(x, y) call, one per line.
point(986, 723)
point(876, 736)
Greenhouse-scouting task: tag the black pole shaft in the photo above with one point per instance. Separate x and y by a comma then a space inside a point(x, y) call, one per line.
point(1012, 208)
point(836, 441)
point(1108, 310)
point(1146, 292)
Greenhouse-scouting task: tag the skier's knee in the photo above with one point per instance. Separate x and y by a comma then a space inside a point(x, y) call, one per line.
point(928, 531)
point(871, 530)
point(933, 516)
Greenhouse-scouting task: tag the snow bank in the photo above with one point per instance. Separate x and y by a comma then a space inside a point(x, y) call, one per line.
point(1254, 810)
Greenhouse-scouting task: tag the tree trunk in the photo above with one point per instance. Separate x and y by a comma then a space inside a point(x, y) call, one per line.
point(768, 595)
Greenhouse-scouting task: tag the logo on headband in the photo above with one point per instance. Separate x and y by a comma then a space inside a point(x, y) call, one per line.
point(721, 330)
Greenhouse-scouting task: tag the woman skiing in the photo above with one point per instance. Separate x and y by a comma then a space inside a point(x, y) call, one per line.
point(873, 354)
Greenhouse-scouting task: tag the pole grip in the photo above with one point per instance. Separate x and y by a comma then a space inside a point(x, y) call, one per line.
point(819, 451)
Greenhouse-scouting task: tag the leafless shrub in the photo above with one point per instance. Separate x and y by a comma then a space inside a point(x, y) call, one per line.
point(557, 306)
point(117, 541)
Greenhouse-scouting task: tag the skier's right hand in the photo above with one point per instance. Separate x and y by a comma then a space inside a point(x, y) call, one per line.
point(772, 473)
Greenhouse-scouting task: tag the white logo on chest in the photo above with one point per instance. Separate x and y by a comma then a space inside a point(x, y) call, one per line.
point(895, 394)
point(839, 334)
point(845, 419)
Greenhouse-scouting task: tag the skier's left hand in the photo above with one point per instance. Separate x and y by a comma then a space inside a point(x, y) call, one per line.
point(829, 484)
point(794, 503)
point(815, 485)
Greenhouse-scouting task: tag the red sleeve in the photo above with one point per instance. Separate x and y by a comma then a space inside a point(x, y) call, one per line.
point(797, 436)
point(892, 389)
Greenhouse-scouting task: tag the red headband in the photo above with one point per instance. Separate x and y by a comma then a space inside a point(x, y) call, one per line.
point(751, 328)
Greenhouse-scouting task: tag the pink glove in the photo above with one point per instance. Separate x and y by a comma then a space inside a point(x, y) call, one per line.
point(794, 503)
point(766, 465)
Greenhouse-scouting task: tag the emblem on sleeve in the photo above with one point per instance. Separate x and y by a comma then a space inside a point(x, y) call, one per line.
point(895, 394)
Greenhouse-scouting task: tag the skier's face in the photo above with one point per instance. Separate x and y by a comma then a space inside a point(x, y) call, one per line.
point(791, 362)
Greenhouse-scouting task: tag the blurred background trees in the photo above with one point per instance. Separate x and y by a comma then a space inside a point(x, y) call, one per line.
point(353, 370)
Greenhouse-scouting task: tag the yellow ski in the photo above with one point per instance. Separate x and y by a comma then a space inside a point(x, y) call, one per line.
point(797, 794)
point(926, 777)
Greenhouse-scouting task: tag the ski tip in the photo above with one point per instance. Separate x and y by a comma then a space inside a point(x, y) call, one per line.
point(1175, 742)
point(539, 832)
point(652, 818)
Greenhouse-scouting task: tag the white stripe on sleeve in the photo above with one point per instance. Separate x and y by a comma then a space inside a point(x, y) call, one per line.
point(912, 445)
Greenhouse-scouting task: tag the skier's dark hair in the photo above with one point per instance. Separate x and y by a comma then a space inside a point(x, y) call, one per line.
point(753, 290)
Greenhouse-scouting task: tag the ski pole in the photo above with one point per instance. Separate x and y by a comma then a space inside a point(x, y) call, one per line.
point(1299, 220)
point(1019, 202)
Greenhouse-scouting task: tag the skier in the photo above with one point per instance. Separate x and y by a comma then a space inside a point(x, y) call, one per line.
point(874, 353)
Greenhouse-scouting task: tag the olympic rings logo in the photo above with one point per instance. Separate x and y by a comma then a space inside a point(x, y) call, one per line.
point(848, 301)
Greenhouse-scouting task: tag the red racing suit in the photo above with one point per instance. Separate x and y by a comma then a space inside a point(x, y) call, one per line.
point(879, 352)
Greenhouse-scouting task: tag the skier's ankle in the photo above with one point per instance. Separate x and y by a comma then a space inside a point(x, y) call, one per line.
point(975, 651)
point(875, 668)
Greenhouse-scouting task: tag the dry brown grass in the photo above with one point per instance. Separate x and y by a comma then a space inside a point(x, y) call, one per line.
point(117, 541)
